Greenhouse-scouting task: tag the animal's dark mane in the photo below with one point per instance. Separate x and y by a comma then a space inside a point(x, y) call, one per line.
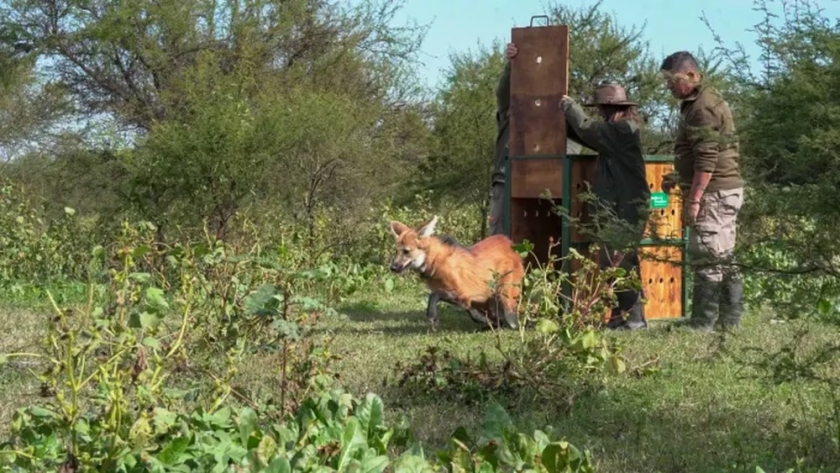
point(450, 240)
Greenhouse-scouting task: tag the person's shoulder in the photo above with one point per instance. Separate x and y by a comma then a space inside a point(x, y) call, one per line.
point(711, 98)
point(627, 127)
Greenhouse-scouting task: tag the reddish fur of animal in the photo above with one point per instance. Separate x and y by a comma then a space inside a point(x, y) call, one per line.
point(466, 274)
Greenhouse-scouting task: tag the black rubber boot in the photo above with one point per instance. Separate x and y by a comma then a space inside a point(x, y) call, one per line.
point(629, 302)
point(705, 304)
point(732, 302)
point(636, 316)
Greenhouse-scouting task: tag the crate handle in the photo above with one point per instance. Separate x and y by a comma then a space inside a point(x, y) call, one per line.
point(539, 16)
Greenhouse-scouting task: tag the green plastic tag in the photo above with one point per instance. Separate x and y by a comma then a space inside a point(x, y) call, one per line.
point(658, 200)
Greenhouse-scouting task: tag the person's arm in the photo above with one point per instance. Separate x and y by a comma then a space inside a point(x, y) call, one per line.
point(703, 127)
point(597, 135)
point(503, 92)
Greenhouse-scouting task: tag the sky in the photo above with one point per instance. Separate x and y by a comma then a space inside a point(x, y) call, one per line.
point(459, 25)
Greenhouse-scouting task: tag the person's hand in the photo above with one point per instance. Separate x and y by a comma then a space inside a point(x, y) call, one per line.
point(690, 211)
point(668, 183)
point(566, 102)
point(511, 51)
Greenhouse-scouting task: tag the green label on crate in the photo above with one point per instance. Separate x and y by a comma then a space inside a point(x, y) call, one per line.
point(658, 200)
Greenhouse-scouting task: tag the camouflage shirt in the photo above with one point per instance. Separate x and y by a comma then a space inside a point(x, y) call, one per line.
point(706, 141)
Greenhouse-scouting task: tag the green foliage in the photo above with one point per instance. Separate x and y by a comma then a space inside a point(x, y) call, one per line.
point(465, 129)
point(332, 431)
point(115, 401)
point(35, 249)
point(269, 143)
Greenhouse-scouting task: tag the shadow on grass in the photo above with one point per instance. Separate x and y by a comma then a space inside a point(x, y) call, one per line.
point(365, 318)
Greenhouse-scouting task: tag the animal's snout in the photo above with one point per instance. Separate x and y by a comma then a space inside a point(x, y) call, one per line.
point(395, 267)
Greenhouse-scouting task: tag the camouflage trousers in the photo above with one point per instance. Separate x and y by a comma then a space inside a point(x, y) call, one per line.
point(712, 237)
point(497, 196)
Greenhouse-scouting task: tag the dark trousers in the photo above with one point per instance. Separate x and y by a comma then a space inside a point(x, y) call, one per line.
point(629, 299)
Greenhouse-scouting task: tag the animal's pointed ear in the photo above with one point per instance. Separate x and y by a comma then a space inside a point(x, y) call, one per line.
point(428, 228)
point(398, 228)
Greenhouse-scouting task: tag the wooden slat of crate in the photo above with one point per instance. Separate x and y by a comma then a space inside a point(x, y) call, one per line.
point(531, 178)
point(662, 281)
point(539, 224)
point(539, 79)
point(663, 223)
point(583, 175)
point(661, 278)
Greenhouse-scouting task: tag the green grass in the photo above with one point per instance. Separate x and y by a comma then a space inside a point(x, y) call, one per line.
point(703, 408)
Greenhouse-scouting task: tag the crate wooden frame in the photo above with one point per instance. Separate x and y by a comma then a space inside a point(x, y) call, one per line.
point(575, 177)
point(537, 161)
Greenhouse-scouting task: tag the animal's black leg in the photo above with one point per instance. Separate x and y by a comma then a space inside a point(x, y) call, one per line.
point(502, 317)
point(447, 298)
point(509, 316)
point(432, 310)
point(478, 317)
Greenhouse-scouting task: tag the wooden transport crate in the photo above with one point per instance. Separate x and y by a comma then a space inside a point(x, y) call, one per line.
point(538, 165)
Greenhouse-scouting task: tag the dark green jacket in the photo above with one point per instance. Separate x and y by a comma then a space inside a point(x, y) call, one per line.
point(621, 180)
point(503, 127)
point(707, 142)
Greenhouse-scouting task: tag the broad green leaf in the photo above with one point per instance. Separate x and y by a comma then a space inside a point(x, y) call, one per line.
point(370, 414)
point(142, 278)
point(373, 464)
point(247, 425)
point(352, 440)
point(408, 463)
point(548, 326)
point(279, 465)
point(37, 411)
point(267, 449)
point(616, 365)
point(143, 320)
point(171, 453)
point(156, 299)
point(496, 423)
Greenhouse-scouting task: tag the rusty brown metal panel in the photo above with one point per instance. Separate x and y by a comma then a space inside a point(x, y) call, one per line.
point(539, 79)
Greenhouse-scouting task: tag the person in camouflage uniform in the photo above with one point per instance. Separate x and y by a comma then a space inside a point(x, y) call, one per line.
point(619, 211)
point(497, 183)
point(709, 177)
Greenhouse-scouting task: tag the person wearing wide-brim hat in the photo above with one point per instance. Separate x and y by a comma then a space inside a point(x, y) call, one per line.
point(620, 211)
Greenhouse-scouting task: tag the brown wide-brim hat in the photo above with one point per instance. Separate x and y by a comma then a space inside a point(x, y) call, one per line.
point(610, 94)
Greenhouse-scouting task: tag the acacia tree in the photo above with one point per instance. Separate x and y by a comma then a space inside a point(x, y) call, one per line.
point(789, 115)
point(220, 96)
point(465, 130)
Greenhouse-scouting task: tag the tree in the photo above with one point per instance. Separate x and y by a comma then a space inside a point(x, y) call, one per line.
point(465, 130)
point(227, 99)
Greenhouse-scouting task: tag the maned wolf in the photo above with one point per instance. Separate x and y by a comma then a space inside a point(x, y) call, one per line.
point(484, 279)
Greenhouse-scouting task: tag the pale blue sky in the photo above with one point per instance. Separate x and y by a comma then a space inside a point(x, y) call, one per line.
point(461, 24)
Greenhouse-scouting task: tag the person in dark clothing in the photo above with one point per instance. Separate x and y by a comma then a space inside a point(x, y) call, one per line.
point(621, 192)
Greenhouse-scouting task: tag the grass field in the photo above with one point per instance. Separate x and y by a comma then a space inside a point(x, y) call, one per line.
point(702, 408)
